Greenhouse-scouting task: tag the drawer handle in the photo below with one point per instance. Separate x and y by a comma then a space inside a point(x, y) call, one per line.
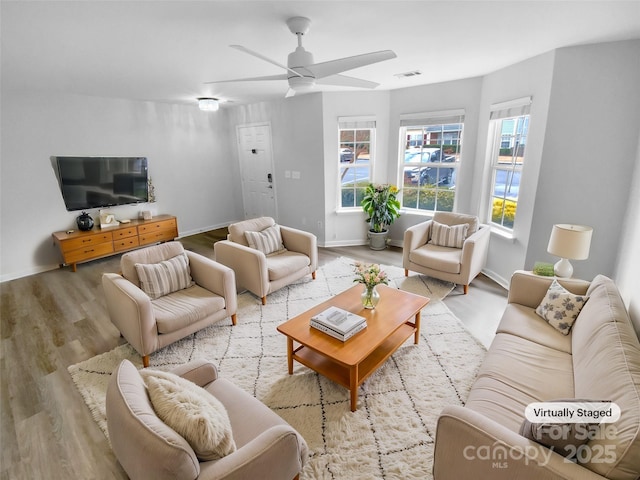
point(89, 251)
point(86, 240)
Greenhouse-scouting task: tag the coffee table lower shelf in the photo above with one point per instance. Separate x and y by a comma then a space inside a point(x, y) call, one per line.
point(352, 376)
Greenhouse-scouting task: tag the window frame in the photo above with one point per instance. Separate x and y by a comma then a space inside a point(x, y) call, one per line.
point(355, 124)
point(427, 121)
point(516, 110)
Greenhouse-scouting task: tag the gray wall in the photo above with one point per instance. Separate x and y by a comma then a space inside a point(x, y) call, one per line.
point(590, 148)
point(191, 161)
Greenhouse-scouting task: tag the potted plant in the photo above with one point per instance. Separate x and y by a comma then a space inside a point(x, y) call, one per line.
point(382, 207)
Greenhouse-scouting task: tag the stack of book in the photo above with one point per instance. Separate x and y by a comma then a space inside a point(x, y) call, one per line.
point(338, 323)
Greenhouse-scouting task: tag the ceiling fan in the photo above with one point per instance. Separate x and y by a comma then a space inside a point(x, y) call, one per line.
point(303, 74)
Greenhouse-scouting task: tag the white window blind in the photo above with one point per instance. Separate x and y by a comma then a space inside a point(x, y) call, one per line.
point(431, 118)
point(356, 122)
point(512, 108)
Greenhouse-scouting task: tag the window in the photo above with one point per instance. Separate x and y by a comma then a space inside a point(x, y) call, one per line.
point(355, 159)
point(430, 152)
point(508, 130)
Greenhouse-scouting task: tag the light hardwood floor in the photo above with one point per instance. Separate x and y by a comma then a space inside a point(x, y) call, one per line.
point(58, 318)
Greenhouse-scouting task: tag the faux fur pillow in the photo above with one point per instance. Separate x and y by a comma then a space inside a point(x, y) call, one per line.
point(192, 412)
point(267, 241)
point(159, 279)
point(560, 307)
point(447, 236)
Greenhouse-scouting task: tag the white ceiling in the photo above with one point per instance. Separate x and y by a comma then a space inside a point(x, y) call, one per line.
point(165, 51)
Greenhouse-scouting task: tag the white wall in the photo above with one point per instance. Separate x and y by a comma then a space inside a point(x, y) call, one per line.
point(590, 151)
point(296, 128)
point(529, 78)
point(190, 161)
point(349, 227)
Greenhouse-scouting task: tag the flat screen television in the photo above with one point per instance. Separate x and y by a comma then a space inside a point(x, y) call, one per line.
point(98, 182)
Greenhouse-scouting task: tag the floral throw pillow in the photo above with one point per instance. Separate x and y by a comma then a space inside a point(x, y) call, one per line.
point(560, 307)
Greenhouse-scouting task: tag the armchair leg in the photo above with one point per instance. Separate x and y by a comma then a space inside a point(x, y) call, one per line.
point(313, 275)
point(234, 319)
point(264, 300)
point(406, 272)
point(466, 289)
point(145, 361)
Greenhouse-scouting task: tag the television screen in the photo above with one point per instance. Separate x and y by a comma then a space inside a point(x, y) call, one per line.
point(96, 182)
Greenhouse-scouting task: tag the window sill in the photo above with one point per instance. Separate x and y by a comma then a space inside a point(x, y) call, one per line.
point(503, 234)
point(347, 211)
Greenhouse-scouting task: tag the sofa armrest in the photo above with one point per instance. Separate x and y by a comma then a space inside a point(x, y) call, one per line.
point(249, 265)
point(201, 372)
point(470, 445)
point(301, 242)
point(215, 277)
point(268, 456)
point(131, 312)
point(528, 289)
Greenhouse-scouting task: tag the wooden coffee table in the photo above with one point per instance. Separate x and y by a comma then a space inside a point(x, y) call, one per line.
point(351, 362)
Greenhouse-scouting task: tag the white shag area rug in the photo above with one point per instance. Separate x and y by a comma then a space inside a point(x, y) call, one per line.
point(392, 433)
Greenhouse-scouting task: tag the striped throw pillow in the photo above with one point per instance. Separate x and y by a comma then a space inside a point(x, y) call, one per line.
point(267, 241)
point(159, 279)
point(447, 236)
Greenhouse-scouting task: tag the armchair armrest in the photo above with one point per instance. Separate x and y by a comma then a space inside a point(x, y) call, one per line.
point(201, 372)
point(470, 445)
point(414, 237)
point(301, 242)
point(249, 265)
point(474, 250)
point(131, 312)
point(262, 458)
point(215, 277)
point(528, 289)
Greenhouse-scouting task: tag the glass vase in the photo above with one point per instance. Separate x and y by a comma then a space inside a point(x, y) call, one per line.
point(370, 297)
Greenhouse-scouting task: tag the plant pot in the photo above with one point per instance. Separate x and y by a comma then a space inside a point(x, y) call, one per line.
point(378, 240)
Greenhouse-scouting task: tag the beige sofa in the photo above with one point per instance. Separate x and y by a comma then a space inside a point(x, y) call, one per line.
point(530, 361)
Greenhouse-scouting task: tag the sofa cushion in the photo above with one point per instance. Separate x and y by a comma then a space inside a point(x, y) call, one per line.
point(267, 241)
point(163, 278)
point(515, 373)
point(152, 254)
point(185, 307)
point(606, 361)
point(447, 236)
point(560, 307)
point(285, 263)
point(443, 259)
point(192, 412)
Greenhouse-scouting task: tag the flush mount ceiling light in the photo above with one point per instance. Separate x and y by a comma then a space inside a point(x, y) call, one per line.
point(208, 104)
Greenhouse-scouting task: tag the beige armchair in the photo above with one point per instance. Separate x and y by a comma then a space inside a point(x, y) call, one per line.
point(454, 255)
point(267, 266)
point(149, 324)
point(266, 446)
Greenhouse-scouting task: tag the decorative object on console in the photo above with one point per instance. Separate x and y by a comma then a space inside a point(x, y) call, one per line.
point(382, 208)
point(84, 221)
point(108, 219)
point(370, 275)
point(569, 242)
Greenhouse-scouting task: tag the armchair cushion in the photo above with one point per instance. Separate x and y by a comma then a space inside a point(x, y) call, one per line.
point(443, 259)
point(446, 236)
point(285, 263)
point(267, 241)
point(192, 412)
point(165, 277)
point(185, 307)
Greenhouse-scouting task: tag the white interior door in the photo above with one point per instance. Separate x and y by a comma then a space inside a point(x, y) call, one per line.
point(256, 168)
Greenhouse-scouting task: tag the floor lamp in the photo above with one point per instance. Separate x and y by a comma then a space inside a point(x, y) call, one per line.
point(569, 242)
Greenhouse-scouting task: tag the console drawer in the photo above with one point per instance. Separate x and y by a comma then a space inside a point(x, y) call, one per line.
point(124, 233)
point(85, 241)
point(88, 252)
point(125, 244)
point(159, 236)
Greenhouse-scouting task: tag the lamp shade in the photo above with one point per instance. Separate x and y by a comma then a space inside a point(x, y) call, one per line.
point(208, 104)
point(570, 241)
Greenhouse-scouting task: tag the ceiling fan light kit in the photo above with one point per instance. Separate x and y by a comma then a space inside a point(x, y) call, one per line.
point(208, 104)
point(303, 74)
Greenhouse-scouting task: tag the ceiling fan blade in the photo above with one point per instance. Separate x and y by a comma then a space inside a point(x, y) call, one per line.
point(345, 81)
point(266, 59)
point(332, 67)
point(290, 93)
point(282, 76)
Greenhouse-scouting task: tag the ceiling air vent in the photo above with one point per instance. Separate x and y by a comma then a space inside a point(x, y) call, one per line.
point(412, 73)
